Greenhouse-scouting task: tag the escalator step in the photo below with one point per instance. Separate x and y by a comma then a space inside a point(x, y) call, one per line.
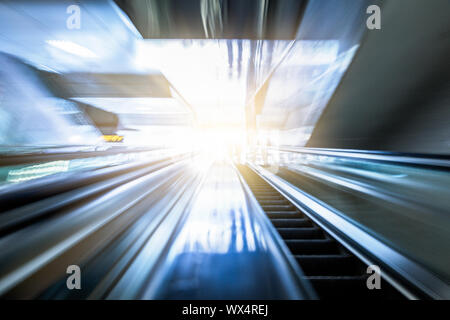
point(337, 287)
point(330, 265)
point(312, 247)
point(285, 215)
point(265, 192)
point(274, 202)
point(277, 207)
point(301, 233)
point(262, 198)
point(291, 223)
point(332, 270)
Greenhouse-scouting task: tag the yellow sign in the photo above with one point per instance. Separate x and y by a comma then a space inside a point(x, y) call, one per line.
point(112, 138)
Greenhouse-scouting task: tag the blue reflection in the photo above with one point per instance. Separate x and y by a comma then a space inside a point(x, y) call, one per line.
point(218, 221)
point(221, 250)
point(302, 84)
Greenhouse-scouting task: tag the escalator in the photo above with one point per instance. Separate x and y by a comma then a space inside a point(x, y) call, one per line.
point(334, 272)
point(159, 228)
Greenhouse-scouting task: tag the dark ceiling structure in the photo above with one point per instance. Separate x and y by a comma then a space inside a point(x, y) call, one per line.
point(215, 19)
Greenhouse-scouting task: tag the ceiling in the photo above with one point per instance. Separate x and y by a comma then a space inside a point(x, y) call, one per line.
point(215, 19)
point(212, 78)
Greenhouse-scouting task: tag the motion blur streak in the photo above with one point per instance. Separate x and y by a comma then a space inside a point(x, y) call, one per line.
point(224, 149)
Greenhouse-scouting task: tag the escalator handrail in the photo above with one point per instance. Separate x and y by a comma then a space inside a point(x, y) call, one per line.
point(58, 183)
point(297, 273)
point(38, 155)
point(20, 259)
point(415, 278)
point(412, 159)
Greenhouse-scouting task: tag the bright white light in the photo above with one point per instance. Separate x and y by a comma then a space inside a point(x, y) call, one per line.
point(200, 71)
point(136, 105)
point(72, 48)
point(219, 144)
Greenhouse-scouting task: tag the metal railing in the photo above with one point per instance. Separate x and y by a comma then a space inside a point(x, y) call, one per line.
point(393, 207)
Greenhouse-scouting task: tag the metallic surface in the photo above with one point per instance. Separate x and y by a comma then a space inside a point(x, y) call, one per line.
point(381, 201)
point(153, 229)
point(224, 250)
